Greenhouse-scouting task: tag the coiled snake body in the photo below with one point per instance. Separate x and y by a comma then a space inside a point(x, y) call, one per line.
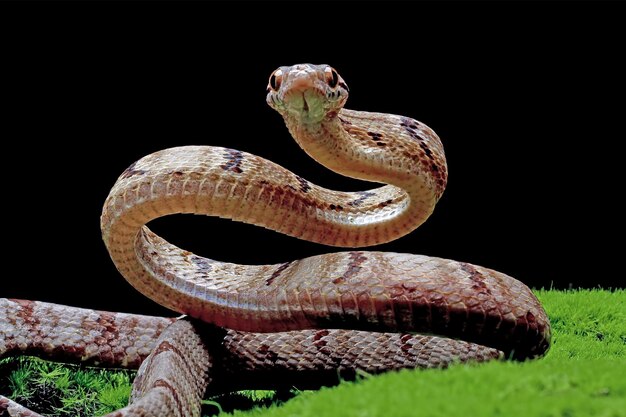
point(379, 299)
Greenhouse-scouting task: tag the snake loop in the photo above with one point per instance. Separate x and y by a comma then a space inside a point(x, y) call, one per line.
point(300, 320)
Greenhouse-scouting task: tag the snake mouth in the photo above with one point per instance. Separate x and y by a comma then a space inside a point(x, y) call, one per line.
point(307, 105)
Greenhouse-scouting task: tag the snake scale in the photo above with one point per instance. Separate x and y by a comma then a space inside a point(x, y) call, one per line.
point(304, 323)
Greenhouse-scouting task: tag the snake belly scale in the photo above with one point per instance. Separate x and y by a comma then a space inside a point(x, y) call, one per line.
point(302, 322)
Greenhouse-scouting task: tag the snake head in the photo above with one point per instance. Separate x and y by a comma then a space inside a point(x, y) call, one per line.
point(307, 92)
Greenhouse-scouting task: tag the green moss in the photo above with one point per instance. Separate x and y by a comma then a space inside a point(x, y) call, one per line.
point(63, 390)
point(584, 374)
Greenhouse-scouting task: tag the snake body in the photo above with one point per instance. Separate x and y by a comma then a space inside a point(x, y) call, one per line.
point(269, 324)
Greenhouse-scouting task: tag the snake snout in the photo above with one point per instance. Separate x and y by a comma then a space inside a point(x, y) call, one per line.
point(302, 82)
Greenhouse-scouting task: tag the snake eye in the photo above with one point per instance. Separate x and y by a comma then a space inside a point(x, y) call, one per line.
point(332, 78)
point(276, 79)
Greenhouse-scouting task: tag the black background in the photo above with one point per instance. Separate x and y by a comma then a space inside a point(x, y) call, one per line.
point(524, 97)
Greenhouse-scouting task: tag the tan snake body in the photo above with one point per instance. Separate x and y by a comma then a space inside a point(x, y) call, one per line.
point(363, 291)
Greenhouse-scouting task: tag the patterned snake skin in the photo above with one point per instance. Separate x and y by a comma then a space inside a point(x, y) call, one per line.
point(268, 323)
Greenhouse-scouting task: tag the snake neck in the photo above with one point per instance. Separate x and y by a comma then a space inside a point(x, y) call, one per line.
point(330, 143)
point(379, 148)
point(326, 142)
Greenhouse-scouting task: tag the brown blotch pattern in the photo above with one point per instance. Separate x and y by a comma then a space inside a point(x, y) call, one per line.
point(165, 347)
point(26, 312)
point(320, 343)
point(305, 187)
point(109, 330)
point(478, 278)
point(161, 383)
point(440, 174)
point(377, 138)
point(202, 263)
point(354, 266)
point(131, 171)
point(426, 150)
point(233, 161)
point(411, 126)
point(363, 195)
point(406, 346)
point(436, 167)
point(385, 203)
point(277, 273)
point(266, 352)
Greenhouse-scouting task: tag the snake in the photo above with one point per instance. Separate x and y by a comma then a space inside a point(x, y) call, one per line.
point(306, 323)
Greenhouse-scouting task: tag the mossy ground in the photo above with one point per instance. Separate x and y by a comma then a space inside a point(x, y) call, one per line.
point(584, 374)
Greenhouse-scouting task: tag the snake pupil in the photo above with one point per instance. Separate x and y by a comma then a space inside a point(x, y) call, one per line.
point(333, 82)
point(273, 82)
point(332, 78)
